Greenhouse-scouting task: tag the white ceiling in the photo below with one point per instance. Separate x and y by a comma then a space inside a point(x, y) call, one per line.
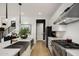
point(47, 9)
point(30, 9)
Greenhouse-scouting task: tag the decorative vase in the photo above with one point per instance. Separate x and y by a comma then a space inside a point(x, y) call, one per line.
point(24, 36)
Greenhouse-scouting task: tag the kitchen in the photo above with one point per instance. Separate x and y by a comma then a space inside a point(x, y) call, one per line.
point(61, 37)
point(65, 40)
point(62, 41)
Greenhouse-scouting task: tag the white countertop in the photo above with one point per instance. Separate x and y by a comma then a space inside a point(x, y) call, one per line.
point(73, 52)
point(8, 52)
point(54, 38)
point(27, 39)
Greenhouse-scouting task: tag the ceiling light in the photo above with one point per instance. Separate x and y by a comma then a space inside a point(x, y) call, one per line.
point(6, 19)
point(39, 13)
point(64, 20)
point(22, 13)
point(13, 19)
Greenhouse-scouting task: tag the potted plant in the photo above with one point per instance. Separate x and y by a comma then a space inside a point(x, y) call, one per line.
point(24, 33)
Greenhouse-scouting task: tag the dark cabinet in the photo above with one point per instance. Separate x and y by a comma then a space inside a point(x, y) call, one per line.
point(57, 50)
point(49, 33)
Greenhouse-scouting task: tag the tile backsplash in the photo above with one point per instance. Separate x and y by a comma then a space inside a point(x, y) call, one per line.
point(72, 32)
point(60, 34)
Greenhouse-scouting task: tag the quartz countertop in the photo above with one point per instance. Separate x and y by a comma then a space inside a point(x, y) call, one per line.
point(20, 39)
point(73, 52)
point(55, 38)
point(9, 52)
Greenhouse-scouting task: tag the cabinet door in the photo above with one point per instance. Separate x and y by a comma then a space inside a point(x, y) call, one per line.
point(60, 51)
point(64, 53)
point(50, 49)
point(27, 51)
point(54, 51)
point(49, 44)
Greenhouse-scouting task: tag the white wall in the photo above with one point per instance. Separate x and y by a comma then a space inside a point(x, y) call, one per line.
point(72, 31)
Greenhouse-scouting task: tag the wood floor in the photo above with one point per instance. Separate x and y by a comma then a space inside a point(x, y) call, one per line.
point(40, 49)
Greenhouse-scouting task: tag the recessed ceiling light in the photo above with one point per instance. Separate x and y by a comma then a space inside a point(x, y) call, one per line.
point(13, 18)
point(22, 13)
point(39, 13)
point(6, 19)
point(64, 20)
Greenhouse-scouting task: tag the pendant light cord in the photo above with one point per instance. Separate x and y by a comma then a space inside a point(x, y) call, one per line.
point(20, 13)
point(6, 10)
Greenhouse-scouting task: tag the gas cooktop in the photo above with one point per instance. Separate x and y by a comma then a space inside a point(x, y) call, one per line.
point(68, 45)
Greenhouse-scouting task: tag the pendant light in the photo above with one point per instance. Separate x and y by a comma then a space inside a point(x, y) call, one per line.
point(6, 14)
point(6, 11)
point(20, 4)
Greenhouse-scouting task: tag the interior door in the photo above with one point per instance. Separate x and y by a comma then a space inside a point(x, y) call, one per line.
point(40, 31)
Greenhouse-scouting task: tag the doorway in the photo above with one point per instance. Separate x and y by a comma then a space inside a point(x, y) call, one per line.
point(40, 29)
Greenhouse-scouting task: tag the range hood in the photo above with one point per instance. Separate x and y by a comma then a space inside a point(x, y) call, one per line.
point(69, 20)
point(73, 12)
point(70, 15)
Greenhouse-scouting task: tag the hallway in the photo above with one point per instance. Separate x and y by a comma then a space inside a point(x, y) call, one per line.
point(40, 49)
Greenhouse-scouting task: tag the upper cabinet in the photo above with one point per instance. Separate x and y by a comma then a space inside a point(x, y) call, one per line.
point(72, 11)
point(60, 12)
point(58, 28)
point(70, 15)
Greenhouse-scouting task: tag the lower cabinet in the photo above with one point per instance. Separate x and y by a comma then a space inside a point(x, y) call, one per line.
point(50, 49)
point(68, 54)
point(57, 50)
point(27, 52)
